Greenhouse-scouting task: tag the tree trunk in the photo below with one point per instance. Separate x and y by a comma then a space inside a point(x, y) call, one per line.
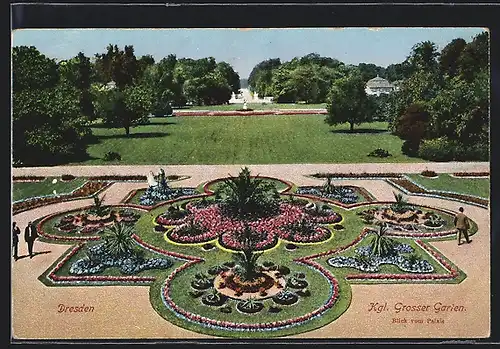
point(352, 126)
point(127, 130)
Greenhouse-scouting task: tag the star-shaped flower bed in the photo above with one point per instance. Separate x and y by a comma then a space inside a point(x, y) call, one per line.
point(203, 223)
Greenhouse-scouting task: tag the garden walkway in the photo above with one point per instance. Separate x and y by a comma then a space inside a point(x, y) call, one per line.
point(126, 312)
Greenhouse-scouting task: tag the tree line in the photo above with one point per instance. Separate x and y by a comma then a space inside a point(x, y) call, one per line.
point(55, 103)
point(440, 107)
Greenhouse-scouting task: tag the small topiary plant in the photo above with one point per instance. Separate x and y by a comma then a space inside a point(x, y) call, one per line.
point(112, 156)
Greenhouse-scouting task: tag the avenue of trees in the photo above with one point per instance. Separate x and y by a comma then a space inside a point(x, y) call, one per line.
point(55, 103)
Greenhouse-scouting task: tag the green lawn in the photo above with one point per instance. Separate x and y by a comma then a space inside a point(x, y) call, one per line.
point(24, 190)
point(472, 186)
point(245, 140)
point(257, 106)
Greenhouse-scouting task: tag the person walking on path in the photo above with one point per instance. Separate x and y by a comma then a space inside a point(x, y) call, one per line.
point(15, 239)
point(30, 236)
point(462, 224)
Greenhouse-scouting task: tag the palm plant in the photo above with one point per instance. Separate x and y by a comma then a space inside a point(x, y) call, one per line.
point(246, 260)
point(119, 241)
point(401, 204)
point(98, 209)
point(381, 244)
point(328, 187)
point(244, 195)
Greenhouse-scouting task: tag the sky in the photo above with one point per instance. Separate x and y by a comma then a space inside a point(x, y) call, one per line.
point(244, 48)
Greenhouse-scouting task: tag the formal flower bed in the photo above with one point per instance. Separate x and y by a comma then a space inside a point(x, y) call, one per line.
point(410, 187)
point(373, 264)
point(357, 175)
point(28, 178)
point(154, 195)
point(98, 258)
point(90, 279)
point(88, 189)
point(343, 194)
point(249, 113)
point(471, 174)
point(249, 305)
point(293, 223)
point(81, 225)
point(88, 223)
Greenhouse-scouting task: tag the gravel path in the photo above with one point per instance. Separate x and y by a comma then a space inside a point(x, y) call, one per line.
point(126, 312)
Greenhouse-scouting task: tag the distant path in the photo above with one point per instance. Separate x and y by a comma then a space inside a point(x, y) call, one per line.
point(271, 170)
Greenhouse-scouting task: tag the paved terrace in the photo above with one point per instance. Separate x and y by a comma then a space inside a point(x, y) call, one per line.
point(126, 312)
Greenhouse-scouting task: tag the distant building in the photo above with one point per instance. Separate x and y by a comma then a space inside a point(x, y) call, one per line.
point(378, 86)
point(111, 85)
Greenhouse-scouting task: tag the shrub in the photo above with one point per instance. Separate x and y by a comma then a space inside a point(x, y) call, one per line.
point(410, 148)
point(438, 149)
point(112, 156)
point(428, 173)
point(380, 153)
point(413, 124)
point(478, 152)
point(67, 177)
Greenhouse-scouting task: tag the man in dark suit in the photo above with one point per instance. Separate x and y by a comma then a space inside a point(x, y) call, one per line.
point(30, 235)
point(15, 239)
point(462, 224)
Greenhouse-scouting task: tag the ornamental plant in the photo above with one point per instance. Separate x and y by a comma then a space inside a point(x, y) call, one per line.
point(382, 245)
point(246, 260)
point(245, 196)
point(119, 241)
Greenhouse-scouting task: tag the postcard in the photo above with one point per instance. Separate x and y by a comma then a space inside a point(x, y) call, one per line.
point(299, 183)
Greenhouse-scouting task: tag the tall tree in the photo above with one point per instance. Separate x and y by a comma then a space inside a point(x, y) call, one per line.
point(348, 102)
point(449, 56)
point(120, 66)
point(130, 107)
point(474, 57)
point(424, 57)
point(32, 70)
point(48, 127)
point(77, 72)
point(228, 73)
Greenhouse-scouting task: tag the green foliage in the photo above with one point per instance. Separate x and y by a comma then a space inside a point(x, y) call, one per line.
point(348, 102)
point(452, 87)
point(246, 263)
point(31, 70)
point(48, 127)
point(118, 239)
point(380, 153)
point(124, 108)
point(245, 196)
point(401, 204)
point(112, 156)
point(381, 244)
point(117, 65)
point(444, 149)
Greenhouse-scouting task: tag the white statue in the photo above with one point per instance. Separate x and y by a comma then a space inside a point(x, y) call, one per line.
point(244, 104)
point(151, 179)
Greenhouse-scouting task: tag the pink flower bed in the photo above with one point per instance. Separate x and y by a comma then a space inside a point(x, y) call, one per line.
point(266, 230)
point(250, 113)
